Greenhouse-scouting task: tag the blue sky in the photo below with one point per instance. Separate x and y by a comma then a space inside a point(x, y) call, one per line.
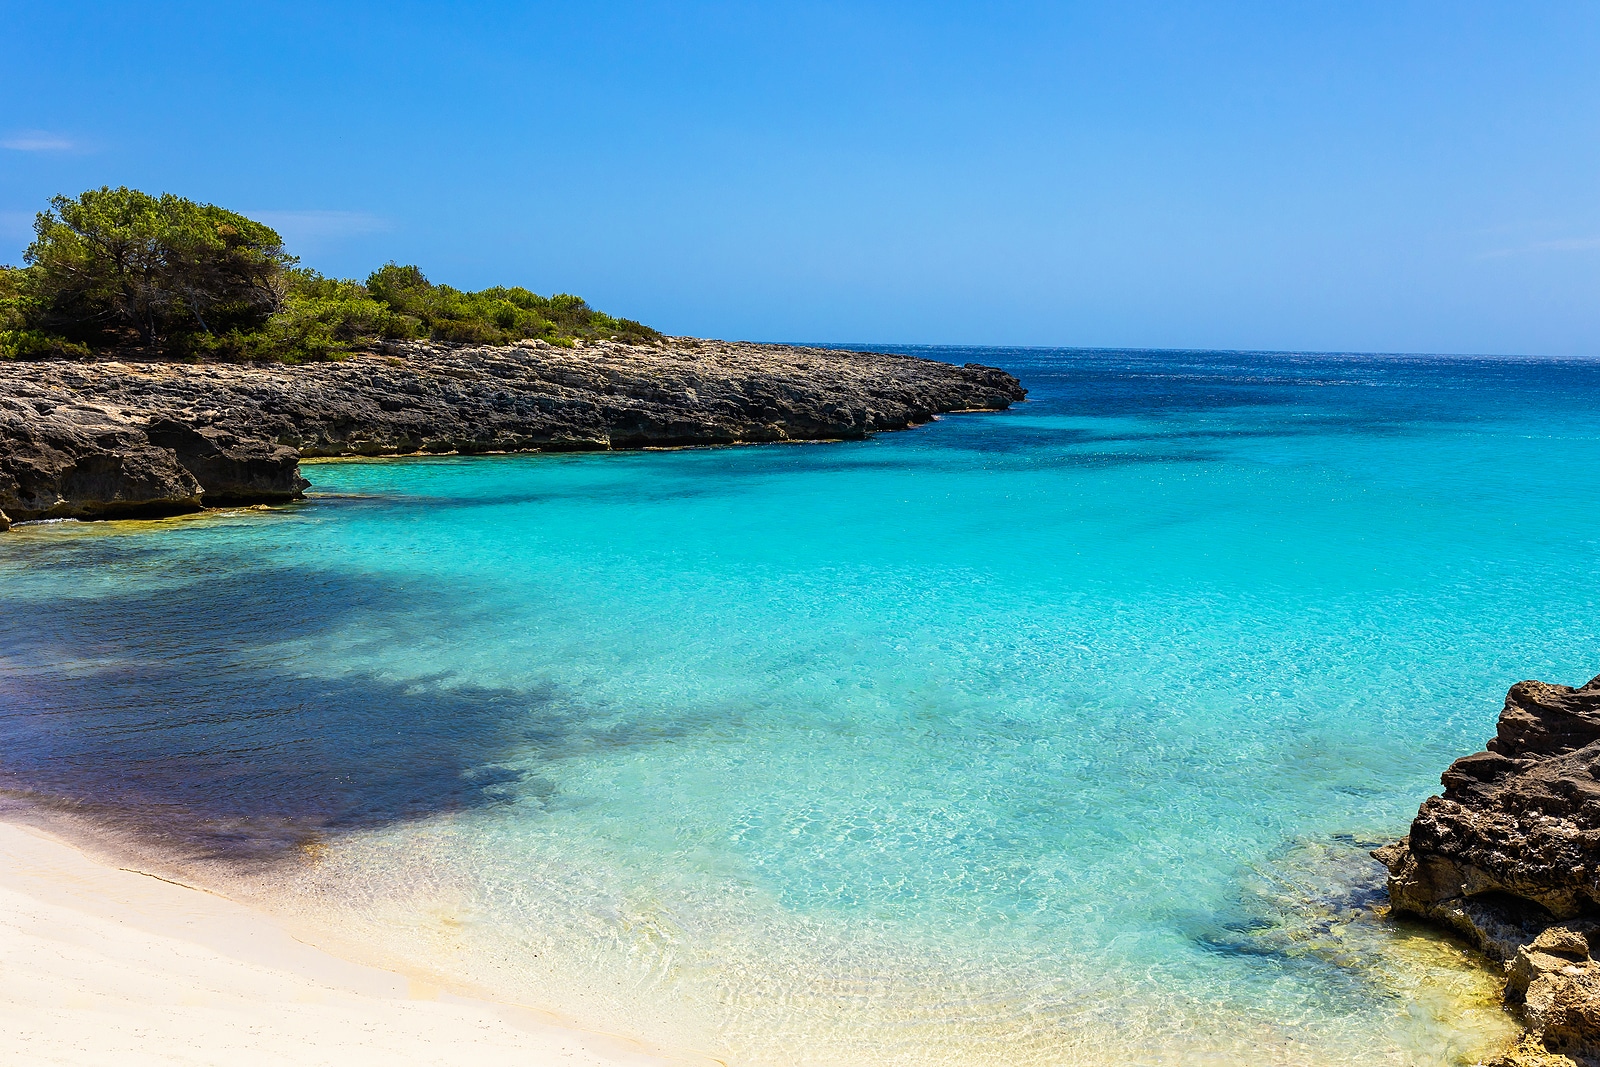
point(1351, 176)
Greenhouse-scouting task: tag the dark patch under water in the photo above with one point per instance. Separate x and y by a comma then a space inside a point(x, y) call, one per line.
point(167, 706)
point(163, 711)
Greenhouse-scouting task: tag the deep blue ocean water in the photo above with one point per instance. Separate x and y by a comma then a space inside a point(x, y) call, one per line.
point(1049, 736)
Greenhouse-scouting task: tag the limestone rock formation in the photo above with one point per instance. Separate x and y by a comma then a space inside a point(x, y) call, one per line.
point(230, 469)
point(1509, 857)
point(94, 440)
point(85, 461)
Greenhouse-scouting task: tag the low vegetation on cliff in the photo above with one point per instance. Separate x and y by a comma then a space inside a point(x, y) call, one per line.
point(165, 277)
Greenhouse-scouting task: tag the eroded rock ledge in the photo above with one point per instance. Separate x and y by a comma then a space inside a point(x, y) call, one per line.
point(101, 440)
point(1509, 857)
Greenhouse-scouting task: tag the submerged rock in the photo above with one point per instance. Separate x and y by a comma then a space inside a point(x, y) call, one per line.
point(93, 440)
point(1509, 857)
point(1530, 1052)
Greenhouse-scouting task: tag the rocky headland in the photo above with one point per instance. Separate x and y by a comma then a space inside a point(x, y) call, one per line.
point(123, 439)
point(1509, 858)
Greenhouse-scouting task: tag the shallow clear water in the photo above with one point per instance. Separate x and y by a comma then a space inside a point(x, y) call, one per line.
point(1051, 736)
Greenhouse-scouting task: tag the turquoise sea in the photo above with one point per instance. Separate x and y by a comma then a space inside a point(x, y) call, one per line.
point(1056, 736)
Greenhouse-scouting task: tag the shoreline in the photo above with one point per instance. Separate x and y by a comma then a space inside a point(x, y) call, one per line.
point(1504, 860)
point(107, 963)
point(108, 960)
point(104, 439)
point(403, 977)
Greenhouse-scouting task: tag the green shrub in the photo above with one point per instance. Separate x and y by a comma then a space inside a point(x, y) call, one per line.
point(321, 318)
point(115, 263)
point(497, 315)
point(115, 267)
point(36, 344)
point(15, 306)
point(19, 339)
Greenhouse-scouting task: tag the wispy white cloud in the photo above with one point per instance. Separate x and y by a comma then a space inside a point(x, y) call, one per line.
point(38, 141)
point(1565, 244)
point(321, 225)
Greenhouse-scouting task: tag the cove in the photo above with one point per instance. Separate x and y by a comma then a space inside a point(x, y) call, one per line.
point(1049, 736)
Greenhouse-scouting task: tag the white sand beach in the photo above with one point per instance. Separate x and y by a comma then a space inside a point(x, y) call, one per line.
point(106, 965)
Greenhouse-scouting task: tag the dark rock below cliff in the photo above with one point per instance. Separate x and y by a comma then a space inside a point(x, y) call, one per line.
point(85, 461)
point(99, 440)
point(1509, 857)
point(230, 469)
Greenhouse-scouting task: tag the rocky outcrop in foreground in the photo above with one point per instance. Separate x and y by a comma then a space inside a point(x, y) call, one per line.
point(99, 440)
point(1509, 857)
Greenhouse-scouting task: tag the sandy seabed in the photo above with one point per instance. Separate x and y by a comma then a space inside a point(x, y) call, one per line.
point(101, 964)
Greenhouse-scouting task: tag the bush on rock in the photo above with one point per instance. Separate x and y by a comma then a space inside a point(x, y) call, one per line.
point(162, 276)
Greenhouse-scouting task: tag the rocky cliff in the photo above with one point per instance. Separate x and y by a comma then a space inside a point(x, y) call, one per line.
point(1509, 857)
point(95, 440)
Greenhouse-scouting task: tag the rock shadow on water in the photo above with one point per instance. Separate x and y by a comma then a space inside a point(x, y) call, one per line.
point(167, 714)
